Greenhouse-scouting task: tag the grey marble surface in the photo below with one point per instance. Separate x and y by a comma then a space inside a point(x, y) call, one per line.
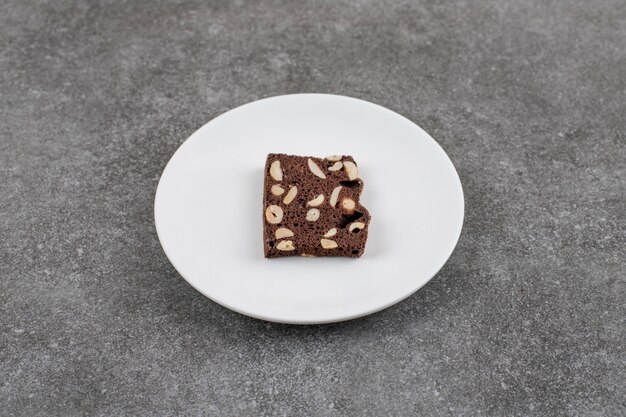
point(527, 317)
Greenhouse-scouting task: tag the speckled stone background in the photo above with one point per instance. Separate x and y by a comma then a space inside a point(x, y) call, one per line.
point(527, 317)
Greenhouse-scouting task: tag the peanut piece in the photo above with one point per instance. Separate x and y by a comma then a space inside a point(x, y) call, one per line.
point(282, 232)
point(316, 170)
point(348, 204)
point(336, 166)
point(277, 190)
point(275, 171)
point(334, 196)
point(356, 226)
point(316, 201)
point(285, 245)
point(312, 215)
point(351, 170)
point(328, 244)
point(291, 194)
point(273, 214)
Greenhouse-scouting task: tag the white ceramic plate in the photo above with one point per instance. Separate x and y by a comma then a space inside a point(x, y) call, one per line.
point(208, 209)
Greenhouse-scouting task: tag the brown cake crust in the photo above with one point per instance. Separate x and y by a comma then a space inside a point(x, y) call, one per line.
point(303, 225)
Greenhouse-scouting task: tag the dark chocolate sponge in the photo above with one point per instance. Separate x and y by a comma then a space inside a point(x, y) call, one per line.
point(311, 207)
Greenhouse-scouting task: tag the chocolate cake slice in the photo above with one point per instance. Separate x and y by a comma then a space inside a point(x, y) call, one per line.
point(311, 207)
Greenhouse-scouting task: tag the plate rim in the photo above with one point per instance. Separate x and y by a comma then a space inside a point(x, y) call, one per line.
point(343, 318)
